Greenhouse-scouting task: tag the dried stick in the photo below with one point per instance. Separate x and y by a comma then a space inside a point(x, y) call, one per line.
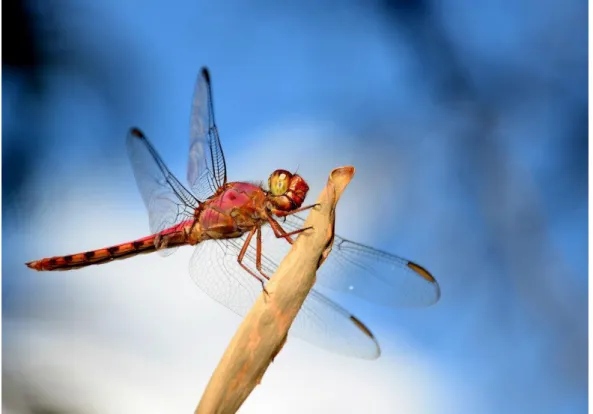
point(263, 331)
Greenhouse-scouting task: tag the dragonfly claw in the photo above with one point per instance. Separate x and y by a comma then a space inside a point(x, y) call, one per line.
point(263, 286)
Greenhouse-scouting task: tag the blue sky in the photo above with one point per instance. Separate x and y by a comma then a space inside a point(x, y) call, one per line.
point(485, 188)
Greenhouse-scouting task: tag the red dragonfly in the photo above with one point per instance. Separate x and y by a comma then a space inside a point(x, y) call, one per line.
point(221, 218)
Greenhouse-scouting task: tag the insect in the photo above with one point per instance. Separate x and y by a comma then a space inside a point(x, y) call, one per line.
point(222, 219)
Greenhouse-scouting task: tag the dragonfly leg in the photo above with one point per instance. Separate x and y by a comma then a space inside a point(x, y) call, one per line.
point(279, 232)
point(258, 249)
point(242, 255)
point(298, 210)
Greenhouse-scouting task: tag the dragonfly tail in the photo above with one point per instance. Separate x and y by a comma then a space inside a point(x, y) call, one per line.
point(107, 254)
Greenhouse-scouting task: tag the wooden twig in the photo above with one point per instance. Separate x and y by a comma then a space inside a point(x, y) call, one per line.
point(263, 331)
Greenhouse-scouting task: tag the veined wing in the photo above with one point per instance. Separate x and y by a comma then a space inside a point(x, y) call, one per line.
point(168, 202)
point(373, 275)
point(206, 170)
point(320, 321)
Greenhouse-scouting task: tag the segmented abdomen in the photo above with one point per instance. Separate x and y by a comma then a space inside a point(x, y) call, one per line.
point(107, 254)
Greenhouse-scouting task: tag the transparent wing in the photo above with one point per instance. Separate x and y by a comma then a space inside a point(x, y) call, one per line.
point(168, 202)
point(320, 321)
point(373, 275)
point(206, 170)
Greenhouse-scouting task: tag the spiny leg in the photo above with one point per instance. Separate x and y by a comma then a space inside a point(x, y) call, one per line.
point(298, 210)
point(258, 252)
point(279, 232)
point(242, 255)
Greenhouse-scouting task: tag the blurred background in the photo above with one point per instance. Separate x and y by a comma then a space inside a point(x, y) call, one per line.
point(467, 124)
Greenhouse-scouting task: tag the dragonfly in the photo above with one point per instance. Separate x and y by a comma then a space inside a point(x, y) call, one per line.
point(222, 218)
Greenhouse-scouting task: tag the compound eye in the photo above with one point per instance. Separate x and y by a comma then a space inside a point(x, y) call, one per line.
point(279, 181)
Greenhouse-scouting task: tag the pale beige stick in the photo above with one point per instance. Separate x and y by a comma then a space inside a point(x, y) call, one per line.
point(263, 331)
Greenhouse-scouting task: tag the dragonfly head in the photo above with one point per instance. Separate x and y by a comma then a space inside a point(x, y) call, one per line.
point(287, 190)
